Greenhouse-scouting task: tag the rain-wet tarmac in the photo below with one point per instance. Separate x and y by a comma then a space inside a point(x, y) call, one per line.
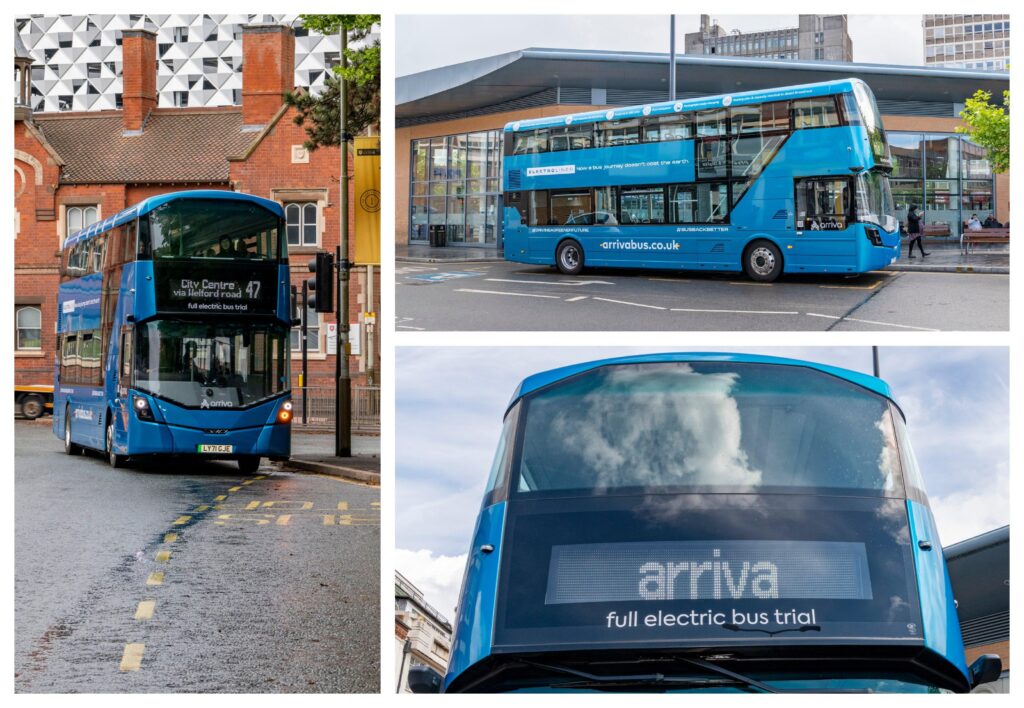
point(187, 577)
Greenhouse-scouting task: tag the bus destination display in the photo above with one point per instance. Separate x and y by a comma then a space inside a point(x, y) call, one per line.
point(224, 290)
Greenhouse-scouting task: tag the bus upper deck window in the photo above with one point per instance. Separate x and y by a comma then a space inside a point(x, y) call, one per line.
point(818, 112)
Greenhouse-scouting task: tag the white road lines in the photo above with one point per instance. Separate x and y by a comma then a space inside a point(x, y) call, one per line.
point(633, 304)
point(549, 282)
point(500, 292)
point(874, 322)
point(577, 298)
point(736, 312)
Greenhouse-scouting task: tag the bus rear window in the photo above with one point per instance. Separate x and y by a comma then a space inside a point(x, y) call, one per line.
point(709, 426)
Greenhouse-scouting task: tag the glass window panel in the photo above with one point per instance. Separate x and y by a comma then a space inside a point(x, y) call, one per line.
point(419, 189)
point(905, 194)
point(618, 132)
point(493, 185)
point(942, 206)
point(418, 223)
point(942, 158)
point(605, 206)
point(438, 189)
point(750, 155)
point(74, 215)
point(537, 208)
point(435, 210)
point(457, 154)
point(682, 204)
point(822, 204)
point(906, 154)
point(438, 159)
point(642, 205)
point(476, 219)
point(711, 123)
point(475, 187)
point(528, 142)
point(420, 158)
point(456, 219)
point(977, 197)
point(666, 128)
point(975, 161)
point(477, 155)
point(29, 326)
point(760, 118)
point(711, 157)
point(575, 207)
point(491, 232)
point(818, 112)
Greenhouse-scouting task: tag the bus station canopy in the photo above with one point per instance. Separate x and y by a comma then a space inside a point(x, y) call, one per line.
point(587, 77)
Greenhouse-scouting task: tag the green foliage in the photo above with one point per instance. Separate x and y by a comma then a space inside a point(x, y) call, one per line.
point(320, 115)
point(989, 126)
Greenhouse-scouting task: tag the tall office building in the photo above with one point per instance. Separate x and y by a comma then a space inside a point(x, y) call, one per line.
point(199, 58)
point(821, 37)
point(967, 41)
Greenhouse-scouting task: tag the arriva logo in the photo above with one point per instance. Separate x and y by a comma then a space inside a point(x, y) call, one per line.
point(216, 404)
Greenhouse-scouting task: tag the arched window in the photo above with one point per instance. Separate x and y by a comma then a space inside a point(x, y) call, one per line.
point(78, 217)
point(301, 220)
point(29, 326)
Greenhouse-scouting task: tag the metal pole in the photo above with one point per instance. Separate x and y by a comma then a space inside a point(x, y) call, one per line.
point(343, 393)
point(305, 351)
point(874, 358)
point(672, 59)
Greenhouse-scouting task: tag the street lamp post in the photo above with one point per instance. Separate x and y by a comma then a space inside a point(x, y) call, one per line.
point(343, 392)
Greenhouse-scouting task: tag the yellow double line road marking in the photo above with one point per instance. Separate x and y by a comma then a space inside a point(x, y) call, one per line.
point(145, 610)
point(132, 658)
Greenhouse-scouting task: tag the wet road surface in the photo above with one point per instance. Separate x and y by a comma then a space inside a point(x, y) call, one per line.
point(190, 577)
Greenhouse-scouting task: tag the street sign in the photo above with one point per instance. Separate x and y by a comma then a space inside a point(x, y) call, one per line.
point(332, 338)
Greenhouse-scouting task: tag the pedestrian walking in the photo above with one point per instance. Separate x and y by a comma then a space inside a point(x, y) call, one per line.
point(914, 219)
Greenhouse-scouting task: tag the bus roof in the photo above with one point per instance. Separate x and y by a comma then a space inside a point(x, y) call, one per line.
point(545, 378)
point(151, 203)
point(782, 93)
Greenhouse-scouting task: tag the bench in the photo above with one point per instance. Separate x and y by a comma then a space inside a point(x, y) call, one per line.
point(970, 238)
point(935, 230)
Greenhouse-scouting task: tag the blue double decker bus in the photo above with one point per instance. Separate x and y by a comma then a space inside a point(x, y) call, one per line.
point(785, 180)
point(173, 332)
point(706, 522)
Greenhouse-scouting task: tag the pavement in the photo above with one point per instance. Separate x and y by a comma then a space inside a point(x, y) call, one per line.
point(417, 253)
point(503, 296)
point(314, 452)
point(190, 578)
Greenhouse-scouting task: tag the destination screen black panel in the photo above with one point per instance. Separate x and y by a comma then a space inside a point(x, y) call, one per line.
point(230, 288)
point(705, 570)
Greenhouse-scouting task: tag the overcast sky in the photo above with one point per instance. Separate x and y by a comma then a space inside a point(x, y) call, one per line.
point(450, 403)
point(429, 41)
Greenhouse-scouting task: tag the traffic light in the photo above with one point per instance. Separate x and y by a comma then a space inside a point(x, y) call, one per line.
point(322, 284)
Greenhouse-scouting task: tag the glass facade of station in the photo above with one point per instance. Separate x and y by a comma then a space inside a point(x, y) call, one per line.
point(945, 174)
point(456, 184)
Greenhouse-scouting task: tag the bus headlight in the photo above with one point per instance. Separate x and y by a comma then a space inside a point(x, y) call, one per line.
point(142, 409)
point(284, 413)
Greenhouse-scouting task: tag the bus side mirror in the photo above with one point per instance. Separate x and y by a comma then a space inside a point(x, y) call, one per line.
point(423, 679)
point(986, 668)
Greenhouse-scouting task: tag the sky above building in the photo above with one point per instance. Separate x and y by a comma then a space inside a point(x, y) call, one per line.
point(450, 402)
point(877, 39)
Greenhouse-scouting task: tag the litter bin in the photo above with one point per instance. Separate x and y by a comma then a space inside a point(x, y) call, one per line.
point(438, 235)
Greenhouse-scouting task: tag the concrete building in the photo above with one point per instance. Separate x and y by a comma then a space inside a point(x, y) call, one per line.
point(816, 37)
point(979, 569)
point(967, 41)
point(78, 58)
point(449, 122)
point(75, 168)
point(423, 636)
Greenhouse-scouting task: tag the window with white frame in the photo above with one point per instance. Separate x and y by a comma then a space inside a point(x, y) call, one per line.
point(312, 333)
point(301, 223)
point(28, 322)
point(78, 217)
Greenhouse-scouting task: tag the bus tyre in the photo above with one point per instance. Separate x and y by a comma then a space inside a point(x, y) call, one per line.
point(762, 261)
point(116, 461)
point(70, 448)
point(248, 465)
point(32, 406)
point(569, 257)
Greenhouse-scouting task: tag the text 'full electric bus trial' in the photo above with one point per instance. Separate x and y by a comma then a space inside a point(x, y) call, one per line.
point(785, 180)
point(173, 331)
point(687, 522)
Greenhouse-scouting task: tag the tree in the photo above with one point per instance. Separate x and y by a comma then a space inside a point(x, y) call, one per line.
point(320, 114)
point(989, 126)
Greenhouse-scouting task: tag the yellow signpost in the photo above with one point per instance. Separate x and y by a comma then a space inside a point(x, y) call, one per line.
point(367, 198)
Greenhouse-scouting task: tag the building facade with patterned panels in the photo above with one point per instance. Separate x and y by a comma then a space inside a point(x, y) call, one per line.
point(75, 167)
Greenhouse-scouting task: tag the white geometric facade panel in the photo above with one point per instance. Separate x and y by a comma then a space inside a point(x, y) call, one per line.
point(199, 58)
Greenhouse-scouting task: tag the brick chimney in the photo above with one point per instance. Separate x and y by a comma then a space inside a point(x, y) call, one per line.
point(268, 71)
point(138, 49)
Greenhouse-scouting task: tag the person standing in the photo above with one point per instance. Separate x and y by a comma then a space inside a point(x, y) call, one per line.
point(914, 231)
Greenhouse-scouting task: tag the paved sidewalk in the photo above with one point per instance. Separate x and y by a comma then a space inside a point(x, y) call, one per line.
point(945, 257)
point(417, 253)
point(314, 452)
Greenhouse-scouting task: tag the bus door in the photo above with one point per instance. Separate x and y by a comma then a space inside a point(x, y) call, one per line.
point(823, 210)
point(120, 407)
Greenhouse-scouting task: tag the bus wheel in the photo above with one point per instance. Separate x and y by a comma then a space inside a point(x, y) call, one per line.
point(115, 460)
point(763, 261)
point(70, 448)
point(32, 407)
point(569, 257)
point(248, 465)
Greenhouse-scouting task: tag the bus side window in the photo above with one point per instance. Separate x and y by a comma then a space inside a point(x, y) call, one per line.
point(819, 112)
point(126, 355)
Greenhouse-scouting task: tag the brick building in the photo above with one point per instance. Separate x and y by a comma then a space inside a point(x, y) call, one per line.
point(74, 168)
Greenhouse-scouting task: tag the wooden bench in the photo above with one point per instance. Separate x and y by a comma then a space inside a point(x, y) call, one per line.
point(970, 238)
point(935, 230)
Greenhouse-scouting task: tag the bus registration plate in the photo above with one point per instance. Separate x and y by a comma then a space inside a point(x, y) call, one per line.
point(215, 448)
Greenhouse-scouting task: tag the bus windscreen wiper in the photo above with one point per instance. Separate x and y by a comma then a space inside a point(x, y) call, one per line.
point(654, 679)
point(802, 628)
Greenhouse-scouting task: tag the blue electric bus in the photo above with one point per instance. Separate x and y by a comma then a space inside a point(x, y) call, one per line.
point(718, 522)
point(785, 180)
point(173, 332)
